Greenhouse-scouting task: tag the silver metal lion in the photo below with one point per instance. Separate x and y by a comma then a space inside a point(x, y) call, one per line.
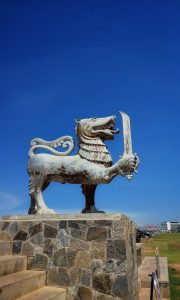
point(91, 166)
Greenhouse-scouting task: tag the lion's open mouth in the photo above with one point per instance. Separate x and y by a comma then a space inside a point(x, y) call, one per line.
point(115, 131)
point(106, 129)
point(111, 128)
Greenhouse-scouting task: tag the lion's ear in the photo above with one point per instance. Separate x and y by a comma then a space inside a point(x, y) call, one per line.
point(77, 121)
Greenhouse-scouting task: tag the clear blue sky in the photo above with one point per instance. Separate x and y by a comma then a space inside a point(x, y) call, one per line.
point(62, 60)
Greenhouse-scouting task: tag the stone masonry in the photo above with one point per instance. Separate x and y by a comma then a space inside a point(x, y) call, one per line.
point(92, 255)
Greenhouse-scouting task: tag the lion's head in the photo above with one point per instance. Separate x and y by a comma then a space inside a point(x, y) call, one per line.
point(93, 128)
point(91, 134)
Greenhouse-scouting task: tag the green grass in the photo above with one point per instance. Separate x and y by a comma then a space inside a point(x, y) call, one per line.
point(174, 282)
point(169, 245)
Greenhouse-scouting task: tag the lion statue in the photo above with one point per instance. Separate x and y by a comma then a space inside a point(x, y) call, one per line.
point(91, 166)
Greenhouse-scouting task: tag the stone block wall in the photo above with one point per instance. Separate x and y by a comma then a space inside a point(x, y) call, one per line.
point(93, 255)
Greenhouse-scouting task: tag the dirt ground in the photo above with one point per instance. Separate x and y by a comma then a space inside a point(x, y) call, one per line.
point(178, 287)
point(175, 266)
point(148, 249)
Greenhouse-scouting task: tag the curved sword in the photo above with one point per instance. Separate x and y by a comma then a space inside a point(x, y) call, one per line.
point(128, 141)
point(126, 134)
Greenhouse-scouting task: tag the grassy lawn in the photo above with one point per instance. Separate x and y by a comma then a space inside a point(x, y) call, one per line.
point(169, 245)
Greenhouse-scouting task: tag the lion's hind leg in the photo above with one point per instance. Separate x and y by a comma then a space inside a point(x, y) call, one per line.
point(36, 184)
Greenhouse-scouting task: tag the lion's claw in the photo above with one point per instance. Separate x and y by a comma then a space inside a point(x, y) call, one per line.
point(130, 165)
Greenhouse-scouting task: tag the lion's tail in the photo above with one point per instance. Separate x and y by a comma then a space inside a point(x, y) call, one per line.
point(64, 141)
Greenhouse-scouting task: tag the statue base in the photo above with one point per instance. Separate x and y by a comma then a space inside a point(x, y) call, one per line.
point(92, 255)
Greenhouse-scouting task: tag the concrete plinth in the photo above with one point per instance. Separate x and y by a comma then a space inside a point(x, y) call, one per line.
point(92, 255)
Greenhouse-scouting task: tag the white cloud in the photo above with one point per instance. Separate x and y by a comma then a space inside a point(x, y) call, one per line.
point(144, 218)
point(8, 201)
point(139, 218)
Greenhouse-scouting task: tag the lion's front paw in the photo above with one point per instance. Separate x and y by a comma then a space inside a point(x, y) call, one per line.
point(137, 162)
point(129, 165)
point(133, 162)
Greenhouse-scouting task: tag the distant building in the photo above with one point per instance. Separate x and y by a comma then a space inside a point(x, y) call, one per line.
point(171, 226)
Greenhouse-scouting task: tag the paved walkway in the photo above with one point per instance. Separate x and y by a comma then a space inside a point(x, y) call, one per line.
point(145, 270)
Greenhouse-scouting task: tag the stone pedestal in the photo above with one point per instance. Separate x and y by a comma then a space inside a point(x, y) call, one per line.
point(93, 255)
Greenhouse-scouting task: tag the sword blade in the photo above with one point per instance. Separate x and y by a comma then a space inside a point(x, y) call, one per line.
point(126, 134)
